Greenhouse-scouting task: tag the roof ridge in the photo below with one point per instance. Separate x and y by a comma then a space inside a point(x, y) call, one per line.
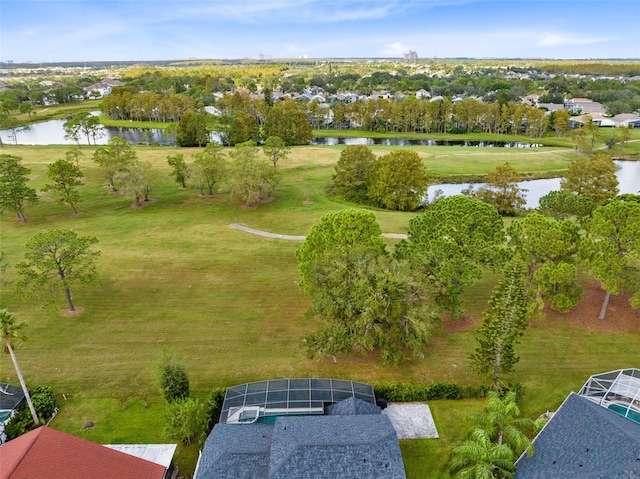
point(36, 435)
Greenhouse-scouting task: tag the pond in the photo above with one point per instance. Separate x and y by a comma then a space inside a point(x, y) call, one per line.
point(52, 133)
point(628, 175)
point(331, 141)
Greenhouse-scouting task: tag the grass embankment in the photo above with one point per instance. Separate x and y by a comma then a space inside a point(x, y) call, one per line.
point(57, 112)
point(174, 276)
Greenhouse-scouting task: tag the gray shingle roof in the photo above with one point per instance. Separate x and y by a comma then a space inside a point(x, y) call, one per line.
point(315, 447)
point(584, 440)
point(358, 442)
point(352, 406)
point(235, 451)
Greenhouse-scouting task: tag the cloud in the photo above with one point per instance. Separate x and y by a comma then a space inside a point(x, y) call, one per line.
point(560, 40)
point(394, 49)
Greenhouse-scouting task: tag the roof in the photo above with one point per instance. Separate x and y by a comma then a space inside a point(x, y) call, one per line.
point(315, 447)
point(584, 440)
point(159, 453)
point(10, 396)
point(45, 452)
point(352, 406)
point(235, 451)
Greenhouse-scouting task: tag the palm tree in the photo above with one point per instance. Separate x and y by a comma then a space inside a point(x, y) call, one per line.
point(501, 423)
point(479, 458)
point(10, 331)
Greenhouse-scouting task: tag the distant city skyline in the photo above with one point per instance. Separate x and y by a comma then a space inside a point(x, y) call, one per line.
point(127, 30)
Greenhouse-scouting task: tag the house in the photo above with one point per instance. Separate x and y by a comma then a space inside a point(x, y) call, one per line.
point(422, 94)
point(593, 434)
point(584, 106)
point(102, 88)
point(316, 428)
point(11, 400)
point(45, 452)
point(631, 120)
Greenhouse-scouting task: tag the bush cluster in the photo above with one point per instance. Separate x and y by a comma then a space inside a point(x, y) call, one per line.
point(439, 390)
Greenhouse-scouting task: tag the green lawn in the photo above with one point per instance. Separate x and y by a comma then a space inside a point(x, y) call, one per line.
point(176, 277)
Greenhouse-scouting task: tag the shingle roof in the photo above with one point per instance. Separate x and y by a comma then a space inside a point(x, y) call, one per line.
point(584, 440)
point(234, 451)
point(352, 406)
point(355, 440)
point(45, 452)
point(316, 447)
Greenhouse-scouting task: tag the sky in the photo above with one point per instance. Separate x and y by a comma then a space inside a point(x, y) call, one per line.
point(101, 30)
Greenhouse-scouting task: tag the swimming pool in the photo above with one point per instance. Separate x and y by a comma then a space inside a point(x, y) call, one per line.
point(622, 410)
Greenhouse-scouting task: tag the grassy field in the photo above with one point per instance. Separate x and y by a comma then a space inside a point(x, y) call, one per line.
point(176, 277)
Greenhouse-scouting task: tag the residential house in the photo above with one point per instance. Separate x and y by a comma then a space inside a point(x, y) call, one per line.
point(45, 452)
point(102, 88)
point(315, 428)
point(594, 434)
point(422, 94)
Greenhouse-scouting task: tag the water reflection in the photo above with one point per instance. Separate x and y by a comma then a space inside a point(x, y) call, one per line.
point(332, 141)
point(628, 175)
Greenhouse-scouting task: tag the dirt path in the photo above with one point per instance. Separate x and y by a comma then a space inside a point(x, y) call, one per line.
point(295, 237)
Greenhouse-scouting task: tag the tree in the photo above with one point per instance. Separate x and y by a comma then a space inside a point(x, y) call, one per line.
point(288, 120)
point(593, 177)
point(500, 420)
point(8, 122)
point(249, 176)
point(339, 231)
point(275, 149)
point(209, 167)
point(192, 130)
point(64, 177)
point(353, 173)
point(560, 204)
point(14, 192)
point(74, 154)
point(502, 190)
point(11, 336)
point(367, 302)
point(185, 421)
point(174, 381)
point(82, 123)
point(180, 168)
point(136, 179)
point(113, 158)
point(479, 458)
point(561, 121)
point(611, 249)
point(502, 326)
point(400, 181)
point(547, 249)
point(449, 243)
point(58, 259)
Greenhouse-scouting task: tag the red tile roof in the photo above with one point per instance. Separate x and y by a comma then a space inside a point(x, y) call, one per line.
point(51, 454)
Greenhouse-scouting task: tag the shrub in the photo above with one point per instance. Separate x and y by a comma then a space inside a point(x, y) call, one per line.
point(214, 406)
point(185, 420)
point(174, 381)
point(44, 401)
point(19, 424)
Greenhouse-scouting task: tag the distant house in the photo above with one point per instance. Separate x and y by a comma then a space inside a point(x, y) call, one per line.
point(102, 88)
point(584, 106)
point(299, 428)
point(422, 94)
point(593, 434)
point(45, 452)
point(11, 400)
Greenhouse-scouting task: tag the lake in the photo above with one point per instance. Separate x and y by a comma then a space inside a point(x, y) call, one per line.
point(628, 175)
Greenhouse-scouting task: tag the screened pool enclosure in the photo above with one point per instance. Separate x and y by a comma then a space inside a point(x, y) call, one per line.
point(618, 391)
point(262, 401)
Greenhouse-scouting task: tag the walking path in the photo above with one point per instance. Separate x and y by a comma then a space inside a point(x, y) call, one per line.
point(296, 237)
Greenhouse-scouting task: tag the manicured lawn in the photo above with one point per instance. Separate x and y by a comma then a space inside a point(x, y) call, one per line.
point(176, 277)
